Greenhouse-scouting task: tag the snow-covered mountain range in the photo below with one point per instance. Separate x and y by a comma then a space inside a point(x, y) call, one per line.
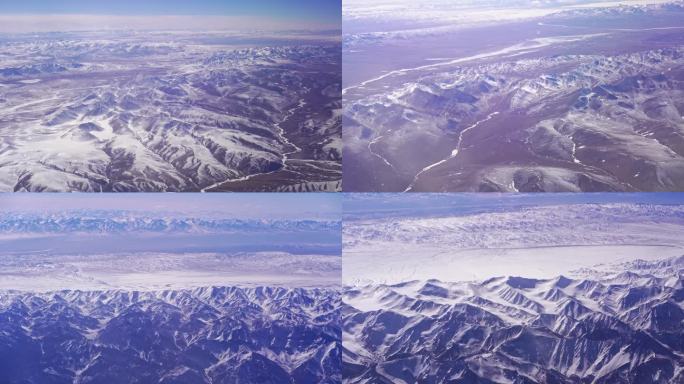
point(203, 335)
point(579, 100)
point(618, 327)
point(158, 111)
point(121, 221)
point(159, 288)
point(506, 291)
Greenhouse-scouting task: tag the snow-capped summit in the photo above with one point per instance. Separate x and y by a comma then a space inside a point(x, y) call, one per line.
point(624, 328)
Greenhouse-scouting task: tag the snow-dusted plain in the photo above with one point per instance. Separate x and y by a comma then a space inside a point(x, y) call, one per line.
point(514, 293)
point(530, 241)
point(133, 293)
point(513, 96)
point(114, 249)
point(170, 111)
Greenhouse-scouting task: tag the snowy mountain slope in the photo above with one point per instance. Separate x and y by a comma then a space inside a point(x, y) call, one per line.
point(162, 288)
point(203, 335)
point(623, 105)
point(127, 112)
point(624, 327)
point(512, 289)
point(583, 100)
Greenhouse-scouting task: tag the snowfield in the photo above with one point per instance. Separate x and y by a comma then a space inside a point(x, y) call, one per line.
point(118, 249)
point(509, 292)
point(153, 271)
point(532, 242)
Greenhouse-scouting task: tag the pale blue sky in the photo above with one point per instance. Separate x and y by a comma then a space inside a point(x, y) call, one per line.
point(83, 15)
point(241, 205)
point(321, 10)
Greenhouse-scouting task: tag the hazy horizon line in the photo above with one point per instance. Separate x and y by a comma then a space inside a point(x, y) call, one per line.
point(73, 22)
